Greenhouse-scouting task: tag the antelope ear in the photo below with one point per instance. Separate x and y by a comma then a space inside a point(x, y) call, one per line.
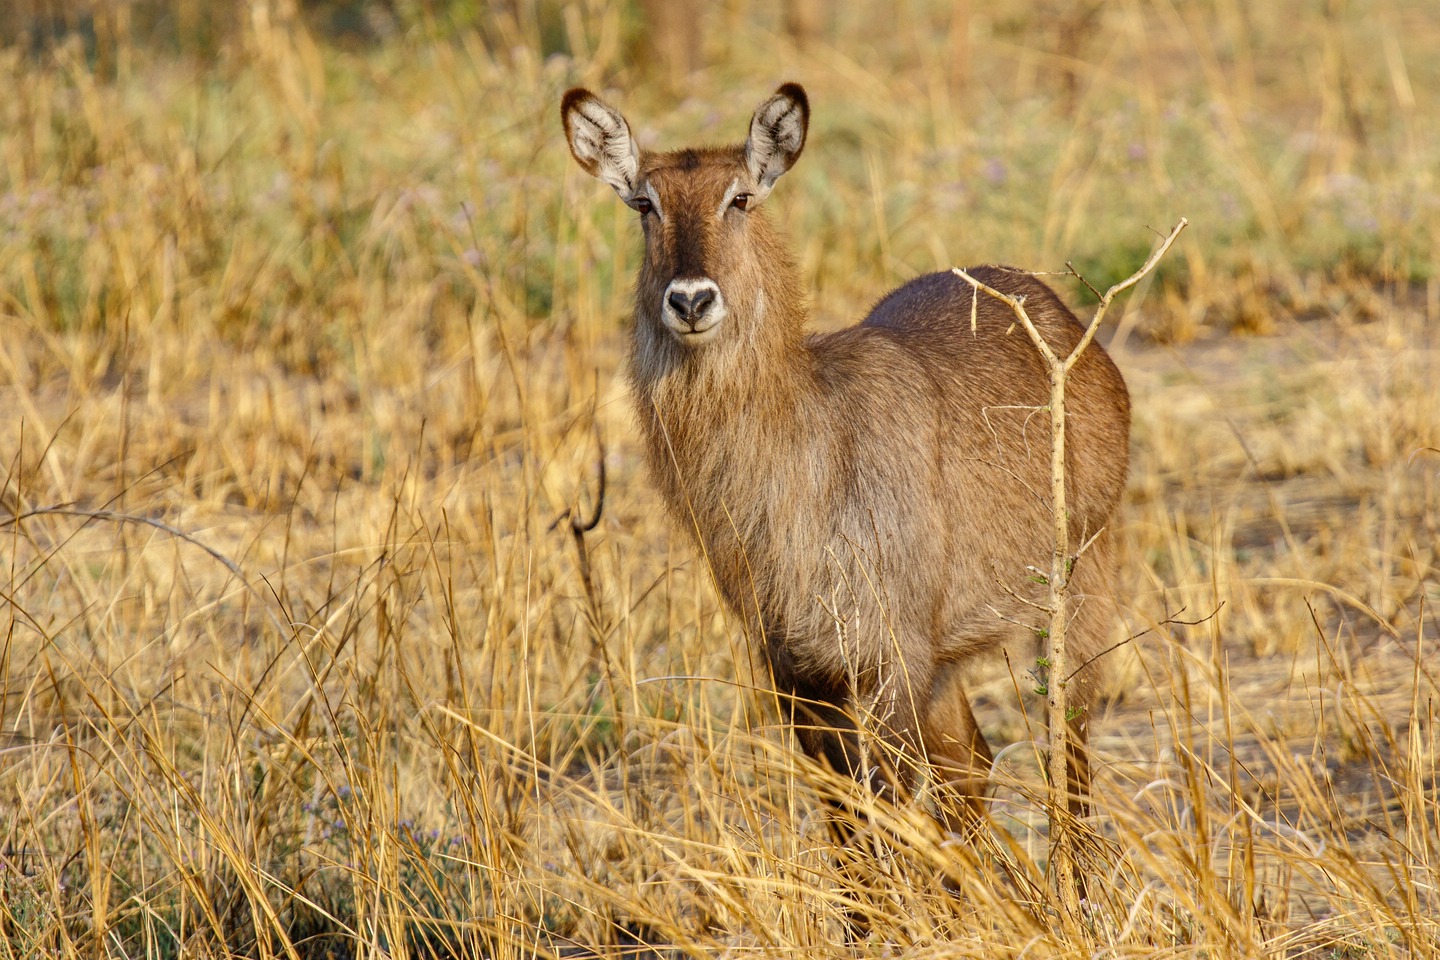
point(777, 135)
point(600, 141)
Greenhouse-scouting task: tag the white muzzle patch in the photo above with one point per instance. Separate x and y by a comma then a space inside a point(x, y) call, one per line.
point(693, 309)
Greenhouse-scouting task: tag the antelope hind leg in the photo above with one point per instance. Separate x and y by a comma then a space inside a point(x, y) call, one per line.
point(959, 756)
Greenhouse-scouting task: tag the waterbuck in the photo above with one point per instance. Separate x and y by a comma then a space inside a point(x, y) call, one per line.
point(870, 501)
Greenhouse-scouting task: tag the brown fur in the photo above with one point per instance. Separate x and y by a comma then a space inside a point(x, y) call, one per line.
point(868, 500)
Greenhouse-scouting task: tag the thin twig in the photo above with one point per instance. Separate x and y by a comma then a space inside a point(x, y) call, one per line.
point(1120, 288)
point(113, 516)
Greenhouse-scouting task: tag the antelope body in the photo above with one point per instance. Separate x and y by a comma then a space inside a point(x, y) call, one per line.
point(869, 500)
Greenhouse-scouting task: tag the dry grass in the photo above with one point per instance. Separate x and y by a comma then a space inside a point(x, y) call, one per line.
point(304, 351)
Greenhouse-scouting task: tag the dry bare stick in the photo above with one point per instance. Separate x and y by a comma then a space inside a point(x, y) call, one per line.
point(1062, 859)
point(112, 516)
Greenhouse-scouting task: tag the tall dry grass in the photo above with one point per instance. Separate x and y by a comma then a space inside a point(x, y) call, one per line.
point(305, 350)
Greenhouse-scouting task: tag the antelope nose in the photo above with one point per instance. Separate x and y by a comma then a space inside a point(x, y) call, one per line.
point(692, 309)
point(690, 305)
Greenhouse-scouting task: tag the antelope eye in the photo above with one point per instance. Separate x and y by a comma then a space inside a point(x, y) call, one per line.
point(741, 201)
point(643, 205)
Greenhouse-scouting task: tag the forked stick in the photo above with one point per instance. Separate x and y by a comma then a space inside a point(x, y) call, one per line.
point(1054, 664)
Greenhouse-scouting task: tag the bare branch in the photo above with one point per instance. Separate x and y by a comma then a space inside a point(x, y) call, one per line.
point(1060, 605)
point(1080, 551)
point(1120, 288)
point(1072, 272)
point(113, 516)
point(1017, 306)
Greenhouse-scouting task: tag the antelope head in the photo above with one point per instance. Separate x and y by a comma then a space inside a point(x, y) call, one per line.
point(709, 256)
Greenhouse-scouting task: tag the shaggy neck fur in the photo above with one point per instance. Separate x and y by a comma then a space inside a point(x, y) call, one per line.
point(735, 418)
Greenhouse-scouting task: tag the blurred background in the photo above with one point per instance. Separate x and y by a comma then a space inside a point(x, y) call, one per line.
point(1293, 135)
